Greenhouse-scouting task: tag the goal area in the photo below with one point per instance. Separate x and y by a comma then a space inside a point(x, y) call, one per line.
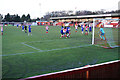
point(105, 33)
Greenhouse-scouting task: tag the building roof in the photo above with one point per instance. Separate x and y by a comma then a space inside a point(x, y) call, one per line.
point(86, 16)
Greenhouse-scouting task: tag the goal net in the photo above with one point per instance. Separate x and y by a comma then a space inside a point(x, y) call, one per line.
point(105, 33)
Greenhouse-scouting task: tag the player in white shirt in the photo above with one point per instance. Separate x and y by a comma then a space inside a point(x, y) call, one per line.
point(1, 30)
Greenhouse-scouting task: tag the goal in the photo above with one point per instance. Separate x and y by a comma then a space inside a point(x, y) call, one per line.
point(105, 33)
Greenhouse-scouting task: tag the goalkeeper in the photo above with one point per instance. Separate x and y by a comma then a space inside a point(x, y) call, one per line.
point(102, 33)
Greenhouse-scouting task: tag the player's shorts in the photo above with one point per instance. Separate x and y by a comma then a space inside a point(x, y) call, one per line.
point(61, 32)
point(67, 32)
point(90, 30)
point(82, 29)
point(102, 34)
point(86, 30)
point(64, 31)
point(1, 31)
point(29, 31)
point(76, 29)
point(46, 30)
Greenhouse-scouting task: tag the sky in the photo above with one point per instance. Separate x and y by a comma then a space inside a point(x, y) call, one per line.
point(38, 8)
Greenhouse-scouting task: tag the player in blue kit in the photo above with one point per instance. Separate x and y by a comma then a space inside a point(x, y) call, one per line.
point(82, 29)
point(90, 28)
point(68, 31)
point(22, 27)
point(29, 30)
point(17, 25)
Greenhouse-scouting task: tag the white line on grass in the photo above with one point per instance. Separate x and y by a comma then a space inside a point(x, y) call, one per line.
point(65, 48)
point(110, 46)
point(30, 46)
point(25, 43)
point(47, 50)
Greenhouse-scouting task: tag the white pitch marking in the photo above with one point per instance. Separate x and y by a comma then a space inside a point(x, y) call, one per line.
point(65, 48)
point(30, 46)
point(46, 50)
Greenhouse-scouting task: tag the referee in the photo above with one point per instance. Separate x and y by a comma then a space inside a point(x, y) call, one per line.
point(25, 29)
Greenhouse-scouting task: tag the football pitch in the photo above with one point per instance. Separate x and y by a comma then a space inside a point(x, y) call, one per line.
point(25, 56)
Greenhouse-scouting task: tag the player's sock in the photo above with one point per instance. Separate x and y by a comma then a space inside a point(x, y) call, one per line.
point(69, 33)
point(65, 35)
point(103, 38)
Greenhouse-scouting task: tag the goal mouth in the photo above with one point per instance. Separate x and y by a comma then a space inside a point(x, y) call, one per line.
point(105, 33)
point(110, 47)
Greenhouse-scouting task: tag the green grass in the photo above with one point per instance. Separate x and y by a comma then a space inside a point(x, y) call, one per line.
point(37, 63)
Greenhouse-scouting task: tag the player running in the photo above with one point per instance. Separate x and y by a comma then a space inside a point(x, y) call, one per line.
point(25, 29)
point(1, 30)
point(68, 31)
point(64, 32)
point(61, 31)
point(90, 28)
point(29, 30)
point(82, 29)
point(86, 29)
point(22, 27)
point(46, 29)
point(76, 27)
point(17, 25)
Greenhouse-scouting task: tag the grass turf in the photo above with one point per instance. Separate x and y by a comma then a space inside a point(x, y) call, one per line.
point(21, 61)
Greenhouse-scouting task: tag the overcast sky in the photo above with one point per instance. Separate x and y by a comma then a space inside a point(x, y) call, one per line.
point(38, 8)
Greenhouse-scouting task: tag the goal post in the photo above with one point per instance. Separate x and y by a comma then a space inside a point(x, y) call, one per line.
point(93, 35)
point(105, 33)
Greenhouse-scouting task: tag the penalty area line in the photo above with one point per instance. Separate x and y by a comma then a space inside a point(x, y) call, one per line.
point(30, 46)
point(46, 50)
point(65, 48)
